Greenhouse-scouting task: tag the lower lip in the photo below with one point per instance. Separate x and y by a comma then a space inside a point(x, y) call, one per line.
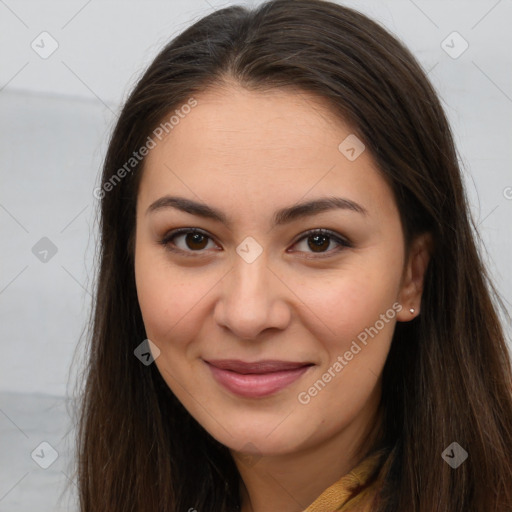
point(256, 385)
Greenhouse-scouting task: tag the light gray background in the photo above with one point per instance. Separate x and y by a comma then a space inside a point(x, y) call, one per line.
point(55, 118)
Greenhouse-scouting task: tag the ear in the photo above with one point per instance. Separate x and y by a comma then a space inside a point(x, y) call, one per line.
point(413, 277)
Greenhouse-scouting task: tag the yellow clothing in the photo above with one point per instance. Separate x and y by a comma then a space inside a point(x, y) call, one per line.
point(346, 494)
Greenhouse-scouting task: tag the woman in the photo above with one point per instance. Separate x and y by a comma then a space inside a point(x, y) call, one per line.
point(291, 313)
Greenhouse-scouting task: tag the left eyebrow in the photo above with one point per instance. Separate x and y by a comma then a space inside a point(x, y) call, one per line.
point(282, 216)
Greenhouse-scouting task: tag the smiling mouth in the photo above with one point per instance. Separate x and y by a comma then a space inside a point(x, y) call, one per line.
point(256, 379)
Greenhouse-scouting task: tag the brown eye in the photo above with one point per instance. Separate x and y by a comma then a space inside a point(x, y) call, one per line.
point(195, 241)
point(319, 241)
point(186, 241)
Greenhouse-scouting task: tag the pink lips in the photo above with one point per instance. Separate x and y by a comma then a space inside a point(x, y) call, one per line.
point(258, 379)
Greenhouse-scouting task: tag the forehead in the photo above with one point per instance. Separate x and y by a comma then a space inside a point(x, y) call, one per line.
point(292, 122)
point(264, 145)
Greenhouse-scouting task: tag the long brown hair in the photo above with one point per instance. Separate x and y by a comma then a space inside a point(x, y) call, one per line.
point(448, 375)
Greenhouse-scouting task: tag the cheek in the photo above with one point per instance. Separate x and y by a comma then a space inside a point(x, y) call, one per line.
point(352, 302)
point(163, 296)
point(356, 346)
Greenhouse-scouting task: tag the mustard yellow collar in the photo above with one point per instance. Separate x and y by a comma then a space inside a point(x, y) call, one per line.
point(354, 491)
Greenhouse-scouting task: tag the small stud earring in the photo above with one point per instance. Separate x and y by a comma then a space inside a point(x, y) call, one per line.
point(411, 310)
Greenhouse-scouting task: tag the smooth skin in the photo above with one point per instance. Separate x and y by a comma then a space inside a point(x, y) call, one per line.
point(249, 154)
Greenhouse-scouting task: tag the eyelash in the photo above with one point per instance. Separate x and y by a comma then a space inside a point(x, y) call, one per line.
point(166, 241)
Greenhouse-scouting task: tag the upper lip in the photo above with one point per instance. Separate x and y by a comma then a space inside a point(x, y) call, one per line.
point(264, 366)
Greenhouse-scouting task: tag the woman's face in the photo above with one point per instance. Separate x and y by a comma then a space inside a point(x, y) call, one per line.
point(272, 338)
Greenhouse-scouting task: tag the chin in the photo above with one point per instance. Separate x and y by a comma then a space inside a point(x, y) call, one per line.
point(272, 436)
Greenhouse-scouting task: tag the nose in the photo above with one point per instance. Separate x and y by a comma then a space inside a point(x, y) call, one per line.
point(252, 299)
